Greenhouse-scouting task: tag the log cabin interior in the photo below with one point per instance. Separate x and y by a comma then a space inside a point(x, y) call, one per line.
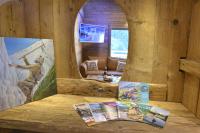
point(163, 51)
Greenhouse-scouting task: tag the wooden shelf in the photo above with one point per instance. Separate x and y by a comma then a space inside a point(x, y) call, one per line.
point(56, 114)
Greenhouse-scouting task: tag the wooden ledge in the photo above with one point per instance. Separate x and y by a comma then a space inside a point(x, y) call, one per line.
point(190, 66)
point(158, 92)
point(56, 115)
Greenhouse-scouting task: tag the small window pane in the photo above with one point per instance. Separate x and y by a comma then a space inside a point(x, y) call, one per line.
point(119, 43)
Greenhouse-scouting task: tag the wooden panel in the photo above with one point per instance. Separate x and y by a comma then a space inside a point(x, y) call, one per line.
point(158, 92)
point(18, 25)
point(6, 20)
point(10, 23)
point(191, 94)
point(64, 21)
point(56, 114)
point(181, 12)
point(46, 19)
point(191, 100)
point(191, 67)
point(163, 41)
point(32, 17)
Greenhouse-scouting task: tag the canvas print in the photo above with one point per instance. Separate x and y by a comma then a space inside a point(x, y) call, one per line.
point(133, 92)
point(92, 33)
point(98, 112)
point(156, 116)
point(27, 70)
point(83, 109)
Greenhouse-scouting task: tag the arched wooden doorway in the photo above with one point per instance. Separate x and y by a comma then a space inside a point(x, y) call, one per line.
point(111, 16)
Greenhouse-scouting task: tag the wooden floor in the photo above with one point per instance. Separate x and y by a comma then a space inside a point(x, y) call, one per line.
point(56, 114)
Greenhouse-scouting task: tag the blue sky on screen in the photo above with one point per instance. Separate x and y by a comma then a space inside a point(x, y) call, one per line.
point(14, 45)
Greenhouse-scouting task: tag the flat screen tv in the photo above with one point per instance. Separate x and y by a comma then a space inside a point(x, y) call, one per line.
point(92, 33)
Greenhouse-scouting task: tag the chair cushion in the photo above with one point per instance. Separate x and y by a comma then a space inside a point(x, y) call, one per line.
point(92, 65)
point(113, 63)
point(102, 61)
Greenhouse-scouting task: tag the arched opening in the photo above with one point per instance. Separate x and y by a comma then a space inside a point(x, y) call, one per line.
point(101, 40)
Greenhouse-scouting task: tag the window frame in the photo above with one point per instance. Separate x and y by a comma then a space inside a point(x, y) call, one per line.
point(110, 34)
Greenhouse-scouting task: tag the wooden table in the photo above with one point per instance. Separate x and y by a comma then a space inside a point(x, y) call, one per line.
point(115, 79)
point(56, 115)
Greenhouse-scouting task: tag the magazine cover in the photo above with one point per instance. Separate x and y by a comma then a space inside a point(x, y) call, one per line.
point(98, 112)
point(134, 113)
point(133, 92)
point(156, 116)
point(27, 70)
point(111, 110)
point(122, 110)
point(84, 111)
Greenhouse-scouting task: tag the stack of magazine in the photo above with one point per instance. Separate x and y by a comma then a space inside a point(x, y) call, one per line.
point(132, 106)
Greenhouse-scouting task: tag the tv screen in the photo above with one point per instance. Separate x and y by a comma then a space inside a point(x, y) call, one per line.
point(92, 33)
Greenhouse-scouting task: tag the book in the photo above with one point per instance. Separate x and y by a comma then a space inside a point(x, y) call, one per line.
point(122, 110)
point(156, 116)
point(84, 111)
point(136, 92)
point(111, 110)
point(98, 113)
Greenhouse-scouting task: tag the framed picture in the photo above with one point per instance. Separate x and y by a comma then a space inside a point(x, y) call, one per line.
point(92, 33)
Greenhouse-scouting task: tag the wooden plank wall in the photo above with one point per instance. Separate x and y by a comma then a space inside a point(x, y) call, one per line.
point(158, 36)
point(191, 93)
point(107, 13)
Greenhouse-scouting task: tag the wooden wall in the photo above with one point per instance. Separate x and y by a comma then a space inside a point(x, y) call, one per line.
point(77, 43)
point(108, 14)
point(191, 65)
point(159, 32)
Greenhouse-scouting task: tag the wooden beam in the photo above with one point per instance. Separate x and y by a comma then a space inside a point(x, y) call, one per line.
point(94, 88)
point(190, 66)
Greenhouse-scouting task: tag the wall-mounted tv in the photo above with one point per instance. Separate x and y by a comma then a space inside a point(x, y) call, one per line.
point(92, 33)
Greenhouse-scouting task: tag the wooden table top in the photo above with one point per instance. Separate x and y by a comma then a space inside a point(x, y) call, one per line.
point(55, 114)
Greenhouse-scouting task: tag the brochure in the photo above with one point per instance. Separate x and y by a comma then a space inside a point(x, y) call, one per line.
point(133, 92)
point(83, 110)
point(134, 113)
point(98, 113)
point(157, 117)
point(111, 110)
point(122, 110)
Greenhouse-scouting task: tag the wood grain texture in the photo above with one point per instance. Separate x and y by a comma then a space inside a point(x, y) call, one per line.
point(158, 92)
point(191, 67)
point(191, 94)
point(156, 43)
point(191, 89)
point(56, 114)
point(182, 12)
point(32, 18)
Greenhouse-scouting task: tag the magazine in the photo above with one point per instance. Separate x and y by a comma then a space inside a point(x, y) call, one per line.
point(156, 116)
point(122, 110)
point(98, 112)
point(111, 110)
point(134, 113)
point(83, 110)
point(133, 92)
